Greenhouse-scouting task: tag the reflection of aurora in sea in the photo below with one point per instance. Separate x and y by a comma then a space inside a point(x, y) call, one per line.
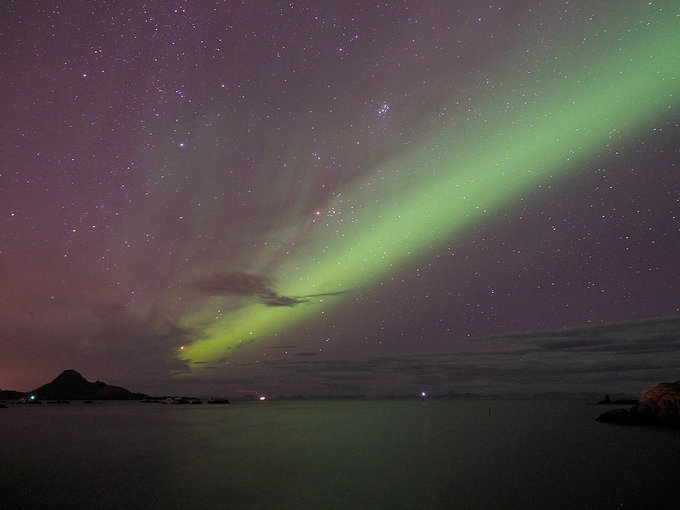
point(524, 135)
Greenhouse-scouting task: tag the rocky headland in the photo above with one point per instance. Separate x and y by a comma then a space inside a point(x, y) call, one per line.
point(659, 405)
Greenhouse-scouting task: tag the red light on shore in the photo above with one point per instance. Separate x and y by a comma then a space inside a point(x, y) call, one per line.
point(263, 397)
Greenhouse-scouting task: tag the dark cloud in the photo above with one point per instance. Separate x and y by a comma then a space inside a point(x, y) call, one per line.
point(277, 300)
point(328, 294)
point(234, 283)
point(640, 337)
point(580, 360)
point(259, 288)
point(238, 283)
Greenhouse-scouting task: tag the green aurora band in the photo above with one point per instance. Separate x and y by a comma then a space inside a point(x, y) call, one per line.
point(523, 137)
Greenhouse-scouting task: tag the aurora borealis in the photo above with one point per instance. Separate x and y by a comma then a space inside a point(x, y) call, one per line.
point(284, 196)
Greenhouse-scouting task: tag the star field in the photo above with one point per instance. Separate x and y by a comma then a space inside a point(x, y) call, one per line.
point(206, 192)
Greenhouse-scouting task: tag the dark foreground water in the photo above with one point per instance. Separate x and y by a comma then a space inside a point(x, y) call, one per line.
point(350, 454)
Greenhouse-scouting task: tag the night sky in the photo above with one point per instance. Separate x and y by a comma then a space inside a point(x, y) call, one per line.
point(310, 197)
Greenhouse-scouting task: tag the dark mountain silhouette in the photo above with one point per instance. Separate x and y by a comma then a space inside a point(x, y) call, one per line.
point(70, 385)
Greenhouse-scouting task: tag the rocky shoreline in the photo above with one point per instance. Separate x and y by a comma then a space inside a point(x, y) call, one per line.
point(658, 406)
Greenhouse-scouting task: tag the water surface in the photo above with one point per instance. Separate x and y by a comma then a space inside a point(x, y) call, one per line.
point(333, 454)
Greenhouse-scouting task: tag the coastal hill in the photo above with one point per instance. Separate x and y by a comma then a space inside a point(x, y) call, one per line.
point(70, 385)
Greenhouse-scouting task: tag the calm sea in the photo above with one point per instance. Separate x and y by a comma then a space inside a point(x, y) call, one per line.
point(333, 454)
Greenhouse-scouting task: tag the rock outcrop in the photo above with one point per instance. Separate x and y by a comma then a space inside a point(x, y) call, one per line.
point(70, 385)
point(662, 401)
point(618, 402)
point(659, 405)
